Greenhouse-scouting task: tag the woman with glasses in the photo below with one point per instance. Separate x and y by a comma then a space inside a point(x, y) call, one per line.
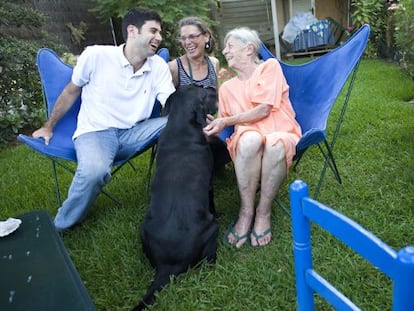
point(197, 66)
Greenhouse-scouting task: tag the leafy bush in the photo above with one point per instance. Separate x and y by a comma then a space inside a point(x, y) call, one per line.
point(21, 35)
point(170, 11)
point(13, 14)
point(370, 12)
point(404, 35)
point(20, 92)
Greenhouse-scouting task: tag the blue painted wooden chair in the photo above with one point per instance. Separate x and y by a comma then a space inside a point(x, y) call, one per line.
point(397, 265)
point(54, 75)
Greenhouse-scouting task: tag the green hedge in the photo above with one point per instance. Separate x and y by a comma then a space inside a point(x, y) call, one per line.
point(404, 35)
point(21, 35)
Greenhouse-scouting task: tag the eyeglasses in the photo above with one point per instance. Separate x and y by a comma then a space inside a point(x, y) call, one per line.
point(192, 38)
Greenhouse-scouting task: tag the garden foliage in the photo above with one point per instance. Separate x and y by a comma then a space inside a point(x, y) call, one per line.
point(170, 11)
point(392, 29)
point(404, 35)
point(21, 35)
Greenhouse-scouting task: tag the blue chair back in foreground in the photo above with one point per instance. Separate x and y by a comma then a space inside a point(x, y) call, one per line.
point(305, 213)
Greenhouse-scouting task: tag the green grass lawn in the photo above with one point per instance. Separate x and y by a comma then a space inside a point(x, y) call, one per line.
point(374, 154)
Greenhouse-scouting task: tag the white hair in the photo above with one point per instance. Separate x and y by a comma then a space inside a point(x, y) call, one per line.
point(246, 36)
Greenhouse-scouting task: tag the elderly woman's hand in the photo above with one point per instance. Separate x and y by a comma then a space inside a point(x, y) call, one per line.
point(214, 126)
point(209, 118)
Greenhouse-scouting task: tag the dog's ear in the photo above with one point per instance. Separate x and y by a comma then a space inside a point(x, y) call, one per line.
point(200, 112)
point(168, 104)
point(205, 103)
point(210, 100)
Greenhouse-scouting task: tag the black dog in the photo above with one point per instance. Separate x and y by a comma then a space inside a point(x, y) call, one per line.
point(180, 229)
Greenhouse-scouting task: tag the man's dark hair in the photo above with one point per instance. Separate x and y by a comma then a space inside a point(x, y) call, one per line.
point(138, 17)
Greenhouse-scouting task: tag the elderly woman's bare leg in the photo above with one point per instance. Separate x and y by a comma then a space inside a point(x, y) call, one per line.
point(273, 174)
point(247, 166)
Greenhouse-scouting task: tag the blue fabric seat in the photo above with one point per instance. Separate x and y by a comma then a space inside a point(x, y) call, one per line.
point(308, 214)
point(54, 76)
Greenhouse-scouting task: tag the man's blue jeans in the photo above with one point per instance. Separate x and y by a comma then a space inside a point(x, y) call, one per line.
point(96, 153)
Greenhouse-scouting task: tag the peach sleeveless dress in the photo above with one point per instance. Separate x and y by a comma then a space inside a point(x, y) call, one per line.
point(267, 85)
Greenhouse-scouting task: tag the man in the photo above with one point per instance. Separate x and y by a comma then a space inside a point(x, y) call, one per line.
point(118, 85)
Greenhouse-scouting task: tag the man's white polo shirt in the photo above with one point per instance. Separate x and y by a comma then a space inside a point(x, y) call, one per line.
point(113, 96)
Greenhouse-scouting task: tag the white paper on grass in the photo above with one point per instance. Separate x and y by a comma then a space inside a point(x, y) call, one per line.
point(8, 226)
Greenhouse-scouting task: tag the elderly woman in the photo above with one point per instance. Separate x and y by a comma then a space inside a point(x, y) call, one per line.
point(262, 146)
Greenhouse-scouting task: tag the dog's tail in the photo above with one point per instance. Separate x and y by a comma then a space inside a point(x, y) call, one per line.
point(161, 279)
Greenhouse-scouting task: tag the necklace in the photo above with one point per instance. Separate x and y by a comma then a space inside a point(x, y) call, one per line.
point(190, 69)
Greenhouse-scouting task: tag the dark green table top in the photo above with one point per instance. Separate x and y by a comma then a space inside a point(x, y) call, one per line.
point(36, 272)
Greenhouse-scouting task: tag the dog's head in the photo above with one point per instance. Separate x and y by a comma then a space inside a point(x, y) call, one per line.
point(193, 99)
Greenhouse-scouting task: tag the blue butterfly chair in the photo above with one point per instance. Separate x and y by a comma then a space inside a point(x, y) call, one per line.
point(54, 76)
point(314, 88)
point(397, 265)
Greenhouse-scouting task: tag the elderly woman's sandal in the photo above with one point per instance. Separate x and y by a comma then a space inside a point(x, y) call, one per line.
point(232, 230)
point(257, 237)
